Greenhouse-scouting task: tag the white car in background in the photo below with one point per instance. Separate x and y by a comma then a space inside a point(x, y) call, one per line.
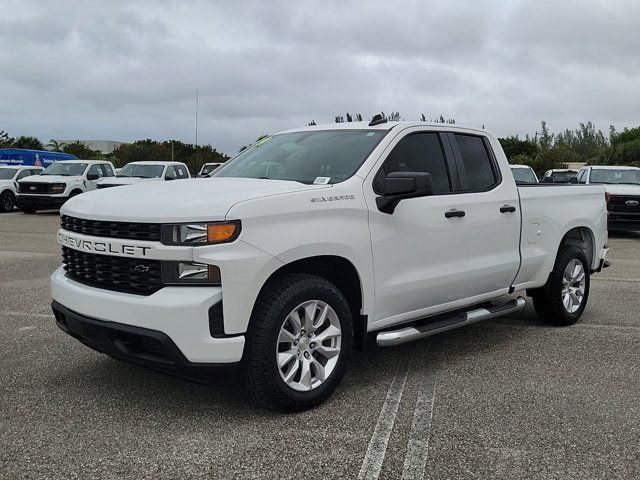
point(207, 169)
point(9, 175)
point(622, 191)
point(559, 175)
point(138, 172)
point(59, 182)
point(524, 174)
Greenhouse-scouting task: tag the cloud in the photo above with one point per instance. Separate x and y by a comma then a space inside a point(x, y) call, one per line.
point(125, 70)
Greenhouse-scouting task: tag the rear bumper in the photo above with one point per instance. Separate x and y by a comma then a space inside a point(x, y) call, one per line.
point(44, 202)
point(136, 345)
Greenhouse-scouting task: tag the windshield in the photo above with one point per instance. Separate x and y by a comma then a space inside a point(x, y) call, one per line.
point(142, 171)
point(207, 169)
point(524, 175)
point(7, 173)
point(65, 169)
point(322, 157)
point(615, 176)
point(563, 177)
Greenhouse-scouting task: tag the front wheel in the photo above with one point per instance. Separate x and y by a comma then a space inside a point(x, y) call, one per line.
point(299, 337)
point(7, 202)
point(563, 298)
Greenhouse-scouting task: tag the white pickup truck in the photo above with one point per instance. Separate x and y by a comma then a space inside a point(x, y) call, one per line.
point(59, 182)
point(9, 176)
point(394, 229)
point(145, 171)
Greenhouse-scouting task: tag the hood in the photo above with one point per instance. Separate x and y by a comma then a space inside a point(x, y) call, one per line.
point(48, 179)
point(622, 189)
point(187, 200)
point(125, 180)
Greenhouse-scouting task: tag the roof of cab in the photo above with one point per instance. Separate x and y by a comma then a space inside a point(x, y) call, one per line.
point(153, 162)
point(615, 167)
point(382, 126)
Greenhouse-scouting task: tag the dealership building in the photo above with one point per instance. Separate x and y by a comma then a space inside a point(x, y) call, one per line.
point(103, 146)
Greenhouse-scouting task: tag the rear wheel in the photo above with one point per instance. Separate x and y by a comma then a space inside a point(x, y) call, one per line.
point(563, 298)
point(299, 337)
point(7, 202)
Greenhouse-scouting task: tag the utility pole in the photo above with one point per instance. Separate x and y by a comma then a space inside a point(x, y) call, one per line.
point(196, 127)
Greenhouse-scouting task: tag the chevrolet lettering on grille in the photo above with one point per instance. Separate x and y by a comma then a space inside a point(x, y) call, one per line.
point(101, 247)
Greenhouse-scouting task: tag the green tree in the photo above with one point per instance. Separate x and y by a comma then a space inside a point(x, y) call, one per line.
point(551, 158)
point(194, 157)
point(80, 150)
point(624, 149)
point(513, 146)
point(56, 145)
point(31, 143)
point(5, 140)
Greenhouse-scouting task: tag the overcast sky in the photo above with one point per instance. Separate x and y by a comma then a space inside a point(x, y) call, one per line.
point(125, 70)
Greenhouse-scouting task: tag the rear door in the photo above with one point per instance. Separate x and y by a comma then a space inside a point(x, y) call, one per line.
point(419, 251)
point(490, 200)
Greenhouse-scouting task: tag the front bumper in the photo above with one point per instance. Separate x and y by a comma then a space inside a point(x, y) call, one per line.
point(179, 313)
point(139, 346)
point(40, 202)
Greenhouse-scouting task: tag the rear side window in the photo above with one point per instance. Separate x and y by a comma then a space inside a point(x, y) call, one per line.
point(481, 173)
point(418, 152)
point(182, 172)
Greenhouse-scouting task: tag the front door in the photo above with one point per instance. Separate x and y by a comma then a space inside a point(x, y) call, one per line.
point(420, 250)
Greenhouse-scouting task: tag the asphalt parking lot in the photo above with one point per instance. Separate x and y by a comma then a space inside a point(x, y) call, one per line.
point(509, 398)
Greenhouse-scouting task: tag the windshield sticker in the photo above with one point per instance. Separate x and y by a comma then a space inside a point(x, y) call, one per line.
point(321, 180)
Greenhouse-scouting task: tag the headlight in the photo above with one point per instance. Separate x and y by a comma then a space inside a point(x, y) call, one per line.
point(179, 273)
point(58, 187)
point(198, 234)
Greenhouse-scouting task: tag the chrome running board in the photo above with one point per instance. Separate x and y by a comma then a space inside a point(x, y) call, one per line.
point(408, 334)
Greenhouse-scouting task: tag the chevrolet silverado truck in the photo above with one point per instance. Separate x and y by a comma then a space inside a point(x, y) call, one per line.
point(145, 171)
point(622, 190)
point(305, 245)
point(59, 182)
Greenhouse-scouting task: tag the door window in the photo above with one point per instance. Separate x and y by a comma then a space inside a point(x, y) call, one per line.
point(418, 152)
point(482, 174)
point(171, 173)
point(95, 170)
point(106, 170)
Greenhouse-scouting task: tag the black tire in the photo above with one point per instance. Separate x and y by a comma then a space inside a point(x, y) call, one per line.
point(75, 193)
point(7, 202)
point(547, 300)
point(28, 211)
point(259, 366)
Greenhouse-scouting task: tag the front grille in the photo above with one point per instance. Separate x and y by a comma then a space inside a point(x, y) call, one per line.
point(618, 203)
point(28, 187)
point(128, 275)
point(130, 231)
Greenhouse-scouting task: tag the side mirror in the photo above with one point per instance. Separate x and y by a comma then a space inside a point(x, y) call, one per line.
point(92, 176)
point(573, 180)
point(169, 178)
point(402, 185)
point(547, 180)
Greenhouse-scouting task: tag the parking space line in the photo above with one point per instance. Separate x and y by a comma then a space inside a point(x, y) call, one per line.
point(374, 457)
point(415, 460)
point(12, 313)
point(615, 279)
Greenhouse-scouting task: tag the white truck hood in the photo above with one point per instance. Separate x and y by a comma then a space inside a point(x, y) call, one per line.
point(125, 180)
point(49, 179)
point(622, 189)
point(180, 201)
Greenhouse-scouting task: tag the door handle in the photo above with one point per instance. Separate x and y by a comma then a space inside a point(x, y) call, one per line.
point(454, 213)
point(507, 209)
